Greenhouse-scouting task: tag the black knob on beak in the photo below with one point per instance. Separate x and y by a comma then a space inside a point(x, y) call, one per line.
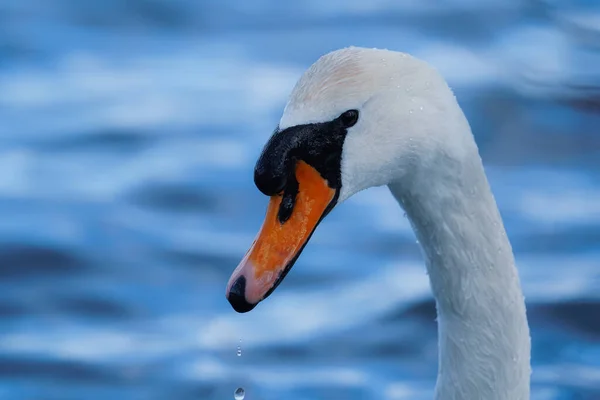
point(275, 163)
point(269, 181)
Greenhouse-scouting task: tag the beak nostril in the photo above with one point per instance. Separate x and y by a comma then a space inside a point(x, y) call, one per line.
point(289, 199)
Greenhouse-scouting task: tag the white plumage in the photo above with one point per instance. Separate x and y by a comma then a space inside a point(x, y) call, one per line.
point(413, 136)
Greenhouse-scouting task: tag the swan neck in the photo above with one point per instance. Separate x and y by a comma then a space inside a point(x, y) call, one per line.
point(484, 342)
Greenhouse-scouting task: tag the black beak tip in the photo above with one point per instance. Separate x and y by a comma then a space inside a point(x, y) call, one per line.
point(237, 297)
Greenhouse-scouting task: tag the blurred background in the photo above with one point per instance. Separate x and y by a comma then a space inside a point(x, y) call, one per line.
point(129, 132)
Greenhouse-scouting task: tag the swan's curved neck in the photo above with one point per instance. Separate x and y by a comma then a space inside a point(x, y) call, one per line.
point(484, 342)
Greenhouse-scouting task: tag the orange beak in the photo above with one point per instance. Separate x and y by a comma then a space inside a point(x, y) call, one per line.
point(278, 244)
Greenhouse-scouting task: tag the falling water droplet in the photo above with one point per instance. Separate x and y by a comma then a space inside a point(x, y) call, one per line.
point(410, 111)
point(417, 242)
point(239, 351)
point(239, 394)
point(421, 108)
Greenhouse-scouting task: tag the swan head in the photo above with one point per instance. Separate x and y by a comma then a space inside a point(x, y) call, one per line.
point(356, 118)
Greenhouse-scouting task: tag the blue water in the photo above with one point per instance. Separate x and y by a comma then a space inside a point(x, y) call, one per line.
point(128, 134)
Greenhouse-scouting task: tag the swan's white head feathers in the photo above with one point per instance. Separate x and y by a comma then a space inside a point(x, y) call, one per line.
point(407, 113)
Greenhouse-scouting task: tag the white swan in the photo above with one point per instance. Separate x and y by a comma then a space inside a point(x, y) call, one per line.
point(364, 117)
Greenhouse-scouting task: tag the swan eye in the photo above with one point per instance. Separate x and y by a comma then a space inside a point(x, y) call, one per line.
point(349, 118)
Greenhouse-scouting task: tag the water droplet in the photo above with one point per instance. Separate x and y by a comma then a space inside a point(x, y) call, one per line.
point(410, 111)
point(421, 108)
point(239, 351)
point(239, 394)
point(417, 242)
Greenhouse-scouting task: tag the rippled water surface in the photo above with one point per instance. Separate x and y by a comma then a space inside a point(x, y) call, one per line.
point(128, 134)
